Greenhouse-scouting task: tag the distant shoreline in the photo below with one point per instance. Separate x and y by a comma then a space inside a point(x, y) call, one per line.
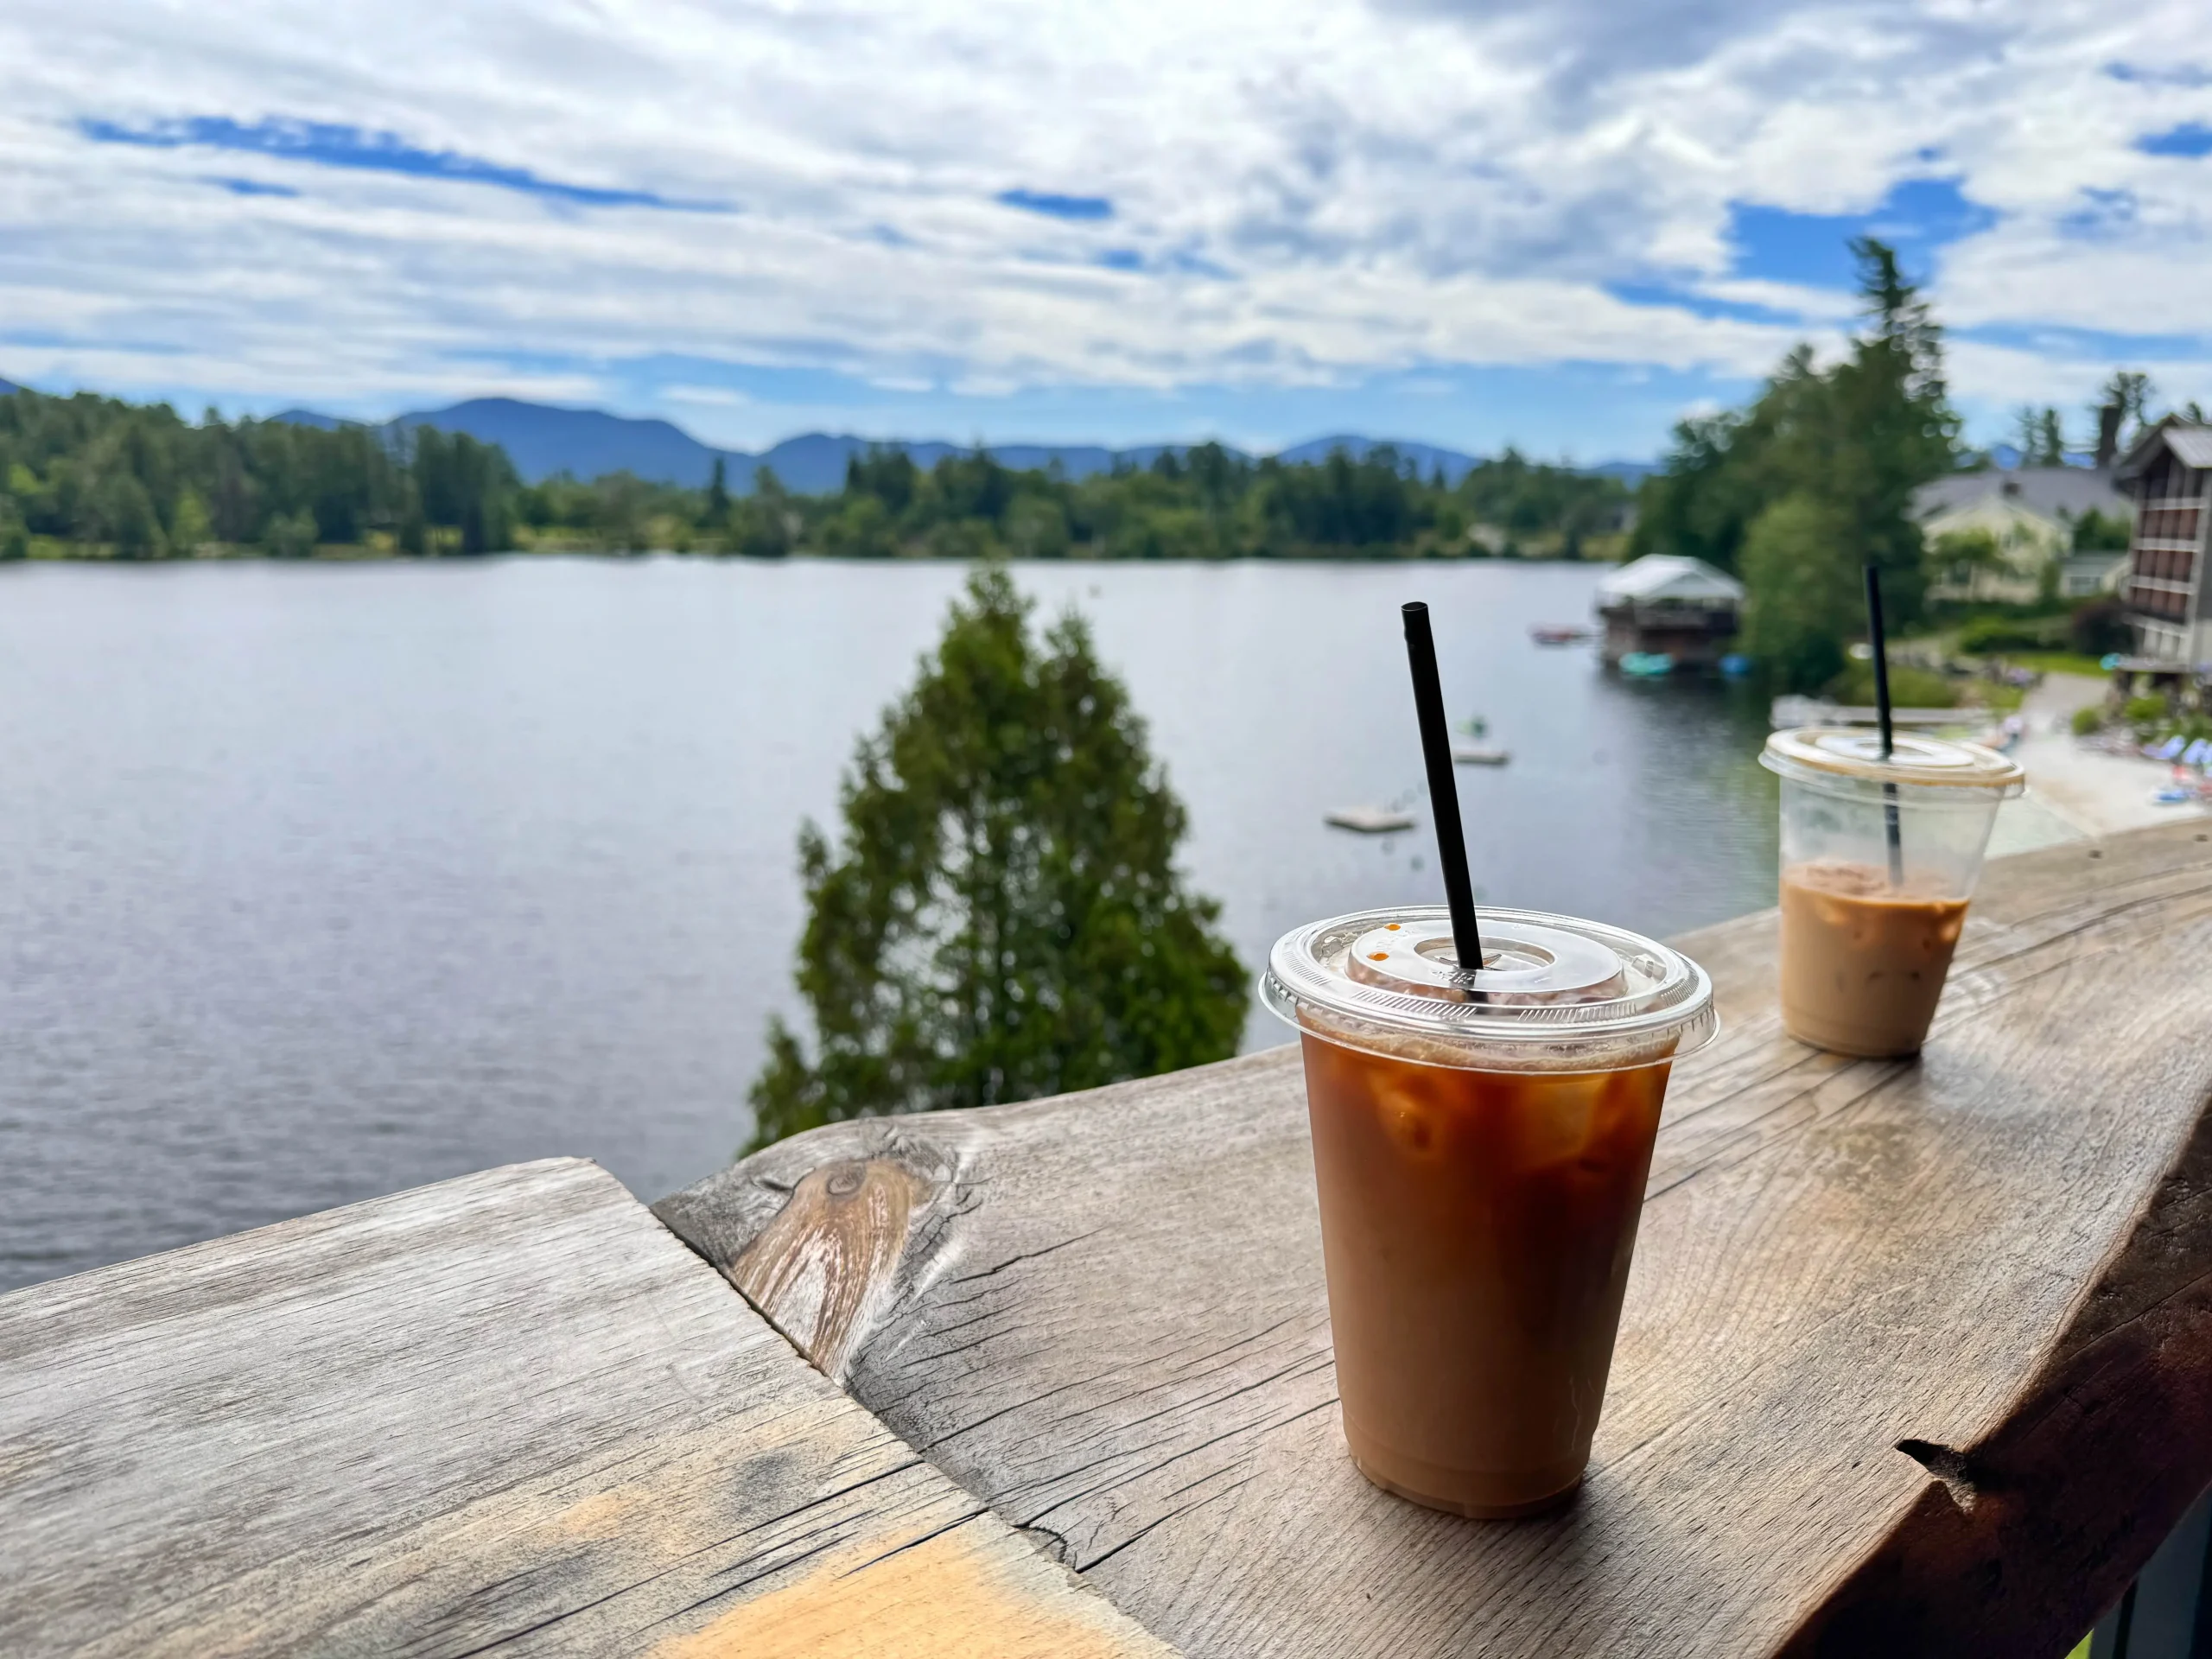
point(48, 550)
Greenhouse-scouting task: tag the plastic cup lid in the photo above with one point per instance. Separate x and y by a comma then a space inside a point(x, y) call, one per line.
point(1818, 753)
point(1553, 993)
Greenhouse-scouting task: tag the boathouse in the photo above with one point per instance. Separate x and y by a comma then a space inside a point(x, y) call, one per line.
point(1665, 605)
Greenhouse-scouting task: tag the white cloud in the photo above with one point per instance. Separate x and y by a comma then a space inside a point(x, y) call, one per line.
point(1316, 191)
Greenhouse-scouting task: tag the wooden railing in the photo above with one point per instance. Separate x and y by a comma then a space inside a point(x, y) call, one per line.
point(1916, 1359)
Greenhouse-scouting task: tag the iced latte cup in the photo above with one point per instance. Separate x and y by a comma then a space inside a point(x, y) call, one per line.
point(1480, 1145)
point(1879, 858)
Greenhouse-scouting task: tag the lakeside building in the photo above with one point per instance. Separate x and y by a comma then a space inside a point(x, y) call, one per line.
point(2168, 473)
point(1666, 605)
point(2031, 514)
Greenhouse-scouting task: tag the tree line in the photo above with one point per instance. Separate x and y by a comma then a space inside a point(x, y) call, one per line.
point(90, 474)
point(139, 481)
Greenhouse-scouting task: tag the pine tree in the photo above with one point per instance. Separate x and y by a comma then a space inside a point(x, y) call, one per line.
point(717, 513)
point(1003, 919)
point(1819, 473)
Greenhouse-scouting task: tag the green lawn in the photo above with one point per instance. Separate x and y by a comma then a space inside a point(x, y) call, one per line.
point(2055, 662)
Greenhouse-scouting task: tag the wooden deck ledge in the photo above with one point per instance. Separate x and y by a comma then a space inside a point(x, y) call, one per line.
point(1918, 1356)
point(1916, 1359)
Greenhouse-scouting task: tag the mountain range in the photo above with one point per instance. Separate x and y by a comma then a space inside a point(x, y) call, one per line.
point(543, 438)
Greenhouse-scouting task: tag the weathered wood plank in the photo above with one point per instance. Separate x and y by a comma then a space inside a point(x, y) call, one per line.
point(508, 1413)
point(1104, 1315)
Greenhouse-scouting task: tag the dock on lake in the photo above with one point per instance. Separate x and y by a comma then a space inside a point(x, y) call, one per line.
point(1917, 1359)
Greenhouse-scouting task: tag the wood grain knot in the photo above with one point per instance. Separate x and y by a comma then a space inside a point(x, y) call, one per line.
point(1948, 1465)
point(818, 1269)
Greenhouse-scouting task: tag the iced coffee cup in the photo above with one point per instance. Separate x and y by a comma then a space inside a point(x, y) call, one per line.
point(1480, 1145)
point(1879, 858)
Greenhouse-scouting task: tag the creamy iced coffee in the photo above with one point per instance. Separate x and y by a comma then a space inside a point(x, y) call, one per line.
point(1862, 964)
point(1879, 857)
point(1480, 1147)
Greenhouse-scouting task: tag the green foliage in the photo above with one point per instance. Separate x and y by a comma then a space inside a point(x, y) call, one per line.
point(1815, 478)
point(1967, 550)
point(2039, 435)
point(1804, 591)
point(1204, 504)
point(15, 539)
point(2098, 626)
point(2100, 532)
point(1909, 687)
point(139, 482)
point(717, 509)
point(1003, 918)
point(2088, 720)
point(2144, 711)
point(290, 536)
point(1986, 634)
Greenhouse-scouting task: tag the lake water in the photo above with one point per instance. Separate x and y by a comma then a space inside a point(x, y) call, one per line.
point(321, 881)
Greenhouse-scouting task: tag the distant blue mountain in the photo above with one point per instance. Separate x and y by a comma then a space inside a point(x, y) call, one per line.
point(1426, 456)
point(314, 418)
point(1630, 473)
point(542, 440)
point(7, 387)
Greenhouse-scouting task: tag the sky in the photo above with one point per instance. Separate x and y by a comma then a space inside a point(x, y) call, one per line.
point(1559, 224)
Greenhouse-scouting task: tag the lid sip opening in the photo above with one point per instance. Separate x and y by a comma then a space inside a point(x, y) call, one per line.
point(1554, 993)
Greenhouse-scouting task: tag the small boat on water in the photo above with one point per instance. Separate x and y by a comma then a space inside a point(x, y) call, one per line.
point(1558, 633)
point(1647, 665)
point(1371, 820)
point(1479, 754)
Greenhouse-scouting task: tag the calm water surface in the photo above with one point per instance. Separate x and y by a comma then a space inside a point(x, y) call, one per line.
point(324, 881)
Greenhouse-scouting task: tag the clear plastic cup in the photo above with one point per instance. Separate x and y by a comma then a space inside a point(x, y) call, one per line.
point(1880, 859)
point(1480, 1147)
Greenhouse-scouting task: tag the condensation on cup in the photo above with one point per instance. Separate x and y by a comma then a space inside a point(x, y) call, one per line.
point(1480, 1147)
point(1880, 859)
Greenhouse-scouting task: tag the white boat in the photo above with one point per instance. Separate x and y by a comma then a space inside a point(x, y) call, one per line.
point(1477, 754)
point(1371, 820)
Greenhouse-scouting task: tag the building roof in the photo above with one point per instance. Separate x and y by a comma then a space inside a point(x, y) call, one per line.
point(2053, 491)
point(2190, 442)
point(1658, 576)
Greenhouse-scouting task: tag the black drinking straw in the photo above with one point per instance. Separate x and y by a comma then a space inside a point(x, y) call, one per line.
point(1443, 789)
point(1878, 644)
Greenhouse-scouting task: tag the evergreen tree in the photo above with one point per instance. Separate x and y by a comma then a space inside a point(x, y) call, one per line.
point(1003, 919)
point(1822, 466)
point(762, 528)
point(717, 513)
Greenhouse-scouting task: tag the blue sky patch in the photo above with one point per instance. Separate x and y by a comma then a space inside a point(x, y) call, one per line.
point(322, 144)
point(1917, 217)
point(2191, 138)
point(248, 187)
point(1122, 259)
point(2172, 75)
point(1057, 206)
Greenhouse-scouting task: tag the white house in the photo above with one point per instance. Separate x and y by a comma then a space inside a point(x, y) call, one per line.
point(2029, 512)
